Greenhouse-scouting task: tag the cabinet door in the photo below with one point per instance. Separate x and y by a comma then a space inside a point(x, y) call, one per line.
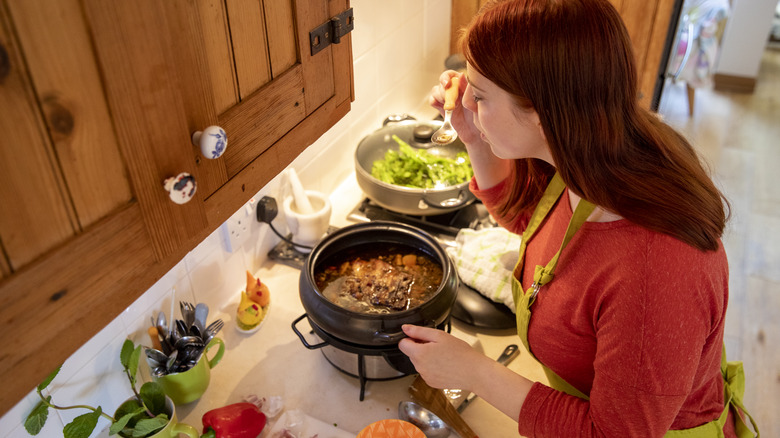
point(175, 67)
point(60, 166)
point(152, 63)
point(648, 25)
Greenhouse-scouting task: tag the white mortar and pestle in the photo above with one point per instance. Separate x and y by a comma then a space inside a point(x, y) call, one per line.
point(307, 213)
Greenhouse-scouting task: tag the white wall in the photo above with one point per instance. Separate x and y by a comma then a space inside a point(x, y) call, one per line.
point(399, 48)
point(745, 37)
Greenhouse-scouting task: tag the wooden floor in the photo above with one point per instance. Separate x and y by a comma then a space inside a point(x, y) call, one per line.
point(739, 136)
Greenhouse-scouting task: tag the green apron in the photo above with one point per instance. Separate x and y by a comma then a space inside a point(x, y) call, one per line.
point(733, 374)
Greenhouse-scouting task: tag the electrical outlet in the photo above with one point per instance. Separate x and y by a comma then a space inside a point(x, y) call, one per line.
point(236, 230)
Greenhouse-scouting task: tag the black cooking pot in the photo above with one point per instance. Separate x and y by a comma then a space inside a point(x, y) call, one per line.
point(409, 200)
point(372, 329)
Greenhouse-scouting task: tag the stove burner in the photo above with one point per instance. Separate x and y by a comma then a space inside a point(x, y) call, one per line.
point(374, 363)
point(442, 226)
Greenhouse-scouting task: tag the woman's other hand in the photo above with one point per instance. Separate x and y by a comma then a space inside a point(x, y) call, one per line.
point(443, 360)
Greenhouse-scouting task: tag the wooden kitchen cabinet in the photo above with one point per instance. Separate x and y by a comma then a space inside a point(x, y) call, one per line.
point(647, 23)
point(98, 102)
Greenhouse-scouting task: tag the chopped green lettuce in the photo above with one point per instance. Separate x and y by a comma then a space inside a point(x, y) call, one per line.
point(419, 168)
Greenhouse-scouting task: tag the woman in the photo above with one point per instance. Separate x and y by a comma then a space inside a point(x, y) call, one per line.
point(622, 282)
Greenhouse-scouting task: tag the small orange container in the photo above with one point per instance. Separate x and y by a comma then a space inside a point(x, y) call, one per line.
point(391, 429)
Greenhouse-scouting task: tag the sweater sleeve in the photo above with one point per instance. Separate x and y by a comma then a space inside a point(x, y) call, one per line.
point(491, 197)
point(658, 334)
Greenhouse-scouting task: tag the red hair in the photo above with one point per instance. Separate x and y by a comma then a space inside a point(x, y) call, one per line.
point(571, 61)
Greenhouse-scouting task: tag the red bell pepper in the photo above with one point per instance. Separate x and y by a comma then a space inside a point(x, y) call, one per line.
point(239, 420)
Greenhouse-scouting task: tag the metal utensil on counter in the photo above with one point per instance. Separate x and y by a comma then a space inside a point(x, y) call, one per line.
point(187, 313)
point(182, 341)
point(430, 424)
point(201, 314)
point(169, 365)
point(435, 401)
point(187, 341)
point(212, 330)
point(155, 358)
point(509, 353)
point(447, 134)
point(182, 329)
point(162, 324)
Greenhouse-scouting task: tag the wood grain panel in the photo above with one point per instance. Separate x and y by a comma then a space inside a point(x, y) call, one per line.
point(462, 13)
point(282, 46)
point(639, 18)
point(137, 45)
point(652, 68)
point(260, 120)
point(5, 268)
point(250, 47)
point(63, 68)
point(35, 215)
point(317, 69)
point(219, 53)
point(58, 295)
point(618, 4)
point(342, 56)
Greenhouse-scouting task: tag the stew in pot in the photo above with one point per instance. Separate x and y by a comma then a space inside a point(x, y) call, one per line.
point(388, 279)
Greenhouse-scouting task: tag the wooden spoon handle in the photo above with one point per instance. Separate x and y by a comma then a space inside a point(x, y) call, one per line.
point(154, 336)
point(451, 94)
point(435, 401)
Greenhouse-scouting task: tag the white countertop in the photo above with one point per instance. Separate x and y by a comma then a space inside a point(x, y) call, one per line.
point(273, 361)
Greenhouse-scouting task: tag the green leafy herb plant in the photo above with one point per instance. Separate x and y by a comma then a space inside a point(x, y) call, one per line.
point(142, 415)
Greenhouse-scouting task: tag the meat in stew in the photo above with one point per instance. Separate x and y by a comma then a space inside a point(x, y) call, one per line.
point(369, 280)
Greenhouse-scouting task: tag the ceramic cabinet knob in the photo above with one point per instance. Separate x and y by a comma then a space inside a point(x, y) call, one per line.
point(181, 188)
point(212, 141)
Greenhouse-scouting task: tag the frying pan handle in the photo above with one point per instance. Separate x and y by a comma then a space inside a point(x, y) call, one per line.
point(448, 203)
point(300, 335)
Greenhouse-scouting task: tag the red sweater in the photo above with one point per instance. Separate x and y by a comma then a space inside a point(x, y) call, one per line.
point(633, 318)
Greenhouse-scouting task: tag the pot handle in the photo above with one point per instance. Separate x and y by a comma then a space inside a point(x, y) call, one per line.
point(448, 203)
point(395, 118)
point(389, 337)
point(397, 336)
point(300, 335)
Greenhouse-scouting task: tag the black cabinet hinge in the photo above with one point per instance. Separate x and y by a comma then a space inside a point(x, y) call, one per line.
point(331, 31)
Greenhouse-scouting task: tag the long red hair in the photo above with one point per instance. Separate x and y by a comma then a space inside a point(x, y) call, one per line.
point(571, 61)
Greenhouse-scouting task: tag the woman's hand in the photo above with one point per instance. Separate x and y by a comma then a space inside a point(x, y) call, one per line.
point(462, 119)
point(443, 360)
point(489, 170)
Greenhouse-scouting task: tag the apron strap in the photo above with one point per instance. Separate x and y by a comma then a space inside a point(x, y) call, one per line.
point(554, 189)
point(544, 274)
point(734, 390)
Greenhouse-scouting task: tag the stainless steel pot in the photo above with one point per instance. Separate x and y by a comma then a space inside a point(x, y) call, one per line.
point(407, 200)
point(369, 329)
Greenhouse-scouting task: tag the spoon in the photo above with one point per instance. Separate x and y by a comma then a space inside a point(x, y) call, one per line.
point(447, 134)
point(430, 424)
point(187, 313)
point(201, 315)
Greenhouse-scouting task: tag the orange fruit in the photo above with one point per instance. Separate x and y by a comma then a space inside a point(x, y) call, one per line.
point(391, 428)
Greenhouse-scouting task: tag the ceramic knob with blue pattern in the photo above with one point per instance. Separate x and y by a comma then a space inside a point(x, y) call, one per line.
point(212, 141)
